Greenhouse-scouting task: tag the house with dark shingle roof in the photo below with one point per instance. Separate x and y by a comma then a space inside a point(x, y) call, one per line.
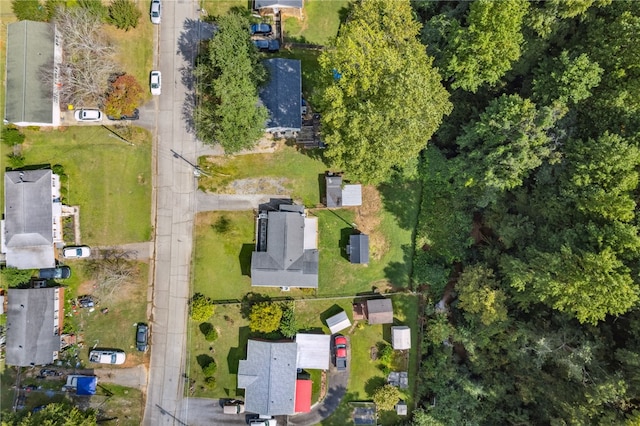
point(34, 325)
point(32, 218)
point(31, 50)
point(282, 96)
point(286, 252)
point(379, 311)
point(268, 377)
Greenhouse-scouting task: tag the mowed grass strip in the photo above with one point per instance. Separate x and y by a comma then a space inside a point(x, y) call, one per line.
point(109, 179)
point(299, 174)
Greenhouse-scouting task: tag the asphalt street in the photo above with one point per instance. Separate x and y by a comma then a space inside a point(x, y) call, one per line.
point(174, 200)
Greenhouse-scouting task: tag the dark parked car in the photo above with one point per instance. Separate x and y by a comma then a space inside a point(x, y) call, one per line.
point(134, 116)
point(59, 273)
point(142, 337)
point(265, 45)
point(340, 351)
point(261, 29)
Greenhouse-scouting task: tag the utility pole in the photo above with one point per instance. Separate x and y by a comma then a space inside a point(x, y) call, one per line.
point(197, 171)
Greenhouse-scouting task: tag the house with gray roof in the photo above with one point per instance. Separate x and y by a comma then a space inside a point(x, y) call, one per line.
point(379, 311)
point(282, 96)
point(34, 325)
point(31, 51)
point(339, 194)
point(32, 218)
point(286, 253)
point(288, 7)
point(268, 377)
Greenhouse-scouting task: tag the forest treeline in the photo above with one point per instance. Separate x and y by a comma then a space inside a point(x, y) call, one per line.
point(528, 225)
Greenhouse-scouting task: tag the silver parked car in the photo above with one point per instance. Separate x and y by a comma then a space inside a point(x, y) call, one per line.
point(156, 12)
point(88, 115)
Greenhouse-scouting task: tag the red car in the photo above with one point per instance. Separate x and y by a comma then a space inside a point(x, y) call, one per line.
point(340, 351)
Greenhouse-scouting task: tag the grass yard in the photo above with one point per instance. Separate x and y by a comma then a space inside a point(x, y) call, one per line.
point(134, 47)
point(366, 375)
point(221, 7)
point(320, 24)
point(287, 172)
point(109, 179)
point(116, 329)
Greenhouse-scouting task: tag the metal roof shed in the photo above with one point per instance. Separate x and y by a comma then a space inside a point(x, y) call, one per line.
point(338, 322)
point(314, 351)
point(401, 337)
point(379, 311)
point(352, 195)
point(358, 249)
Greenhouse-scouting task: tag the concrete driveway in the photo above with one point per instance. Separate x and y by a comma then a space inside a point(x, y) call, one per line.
point(338, 381)
point(205, 412)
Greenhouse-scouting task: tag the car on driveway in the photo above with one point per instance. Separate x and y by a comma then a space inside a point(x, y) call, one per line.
point(142, 337)
point(261, 29)
point(156, 12)
point(340, 351)
point(107, 356)
point(233, 406)
point(76, 252)
point(155, 81)
point(267, 45)
point(88, 115)
point(58, 273)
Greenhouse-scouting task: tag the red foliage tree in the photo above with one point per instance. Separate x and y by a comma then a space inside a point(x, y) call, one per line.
point(125, 94)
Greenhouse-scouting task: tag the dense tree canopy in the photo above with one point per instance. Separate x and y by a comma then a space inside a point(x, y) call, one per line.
point(383, 99)
point(228, 74)
point(529, 215)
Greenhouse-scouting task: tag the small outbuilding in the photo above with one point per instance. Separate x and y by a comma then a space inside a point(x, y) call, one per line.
point(338, 322)
point(358, 249)
point(339, 194)
point(401, 337)
point(401, 408)
point(379, 311)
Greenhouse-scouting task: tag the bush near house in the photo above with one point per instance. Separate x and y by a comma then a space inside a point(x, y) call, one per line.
point(265, 317)
point(125, 94)
point(201, 307)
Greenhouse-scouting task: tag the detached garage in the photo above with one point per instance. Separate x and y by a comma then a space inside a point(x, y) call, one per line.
point(338, 322)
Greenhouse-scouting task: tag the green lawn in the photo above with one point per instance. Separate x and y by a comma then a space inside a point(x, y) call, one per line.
point(221, 7)
point(116, 329)
point(320, 23)
point(366, 376)
point(298, 173)
point(109, 179)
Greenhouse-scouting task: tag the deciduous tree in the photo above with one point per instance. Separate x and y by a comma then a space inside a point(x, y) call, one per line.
point(124, 14)
point(201, 307)
point(386, 397)
point(228, 75)
point(125, 94)
point(265, 317)
point(383, 99)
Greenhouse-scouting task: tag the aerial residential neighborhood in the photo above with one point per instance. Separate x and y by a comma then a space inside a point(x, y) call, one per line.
point(319, 212)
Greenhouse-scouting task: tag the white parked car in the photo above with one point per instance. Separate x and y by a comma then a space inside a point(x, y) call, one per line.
point(73, 252)
point(107, 356)
point(156, 12)
point(155, 82)
point(88, 115)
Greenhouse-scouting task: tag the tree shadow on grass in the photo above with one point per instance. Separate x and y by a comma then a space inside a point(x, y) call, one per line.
point(333, 310)
point(244, 257)
point(205, 328)
point(373, 384)
point(398, 273)
point(397, 196)
point(236, 354)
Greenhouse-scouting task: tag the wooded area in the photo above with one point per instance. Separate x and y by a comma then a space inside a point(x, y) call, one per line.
point(528, 223)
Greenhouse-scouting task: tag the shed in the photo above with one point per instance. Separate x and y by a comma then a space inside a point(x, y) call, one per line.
point(338, 322)
point(314, 351)
point(358, 249)
point(339, 194)
point(31, 48)
point(277, 4)
point(401, 337)
point(379, 311)
point(401, 408)
point(303, 396)
point(352, 195)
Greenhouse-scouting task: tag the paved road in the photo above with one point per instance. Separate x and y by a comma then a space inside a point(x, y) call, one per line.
point(174, 196)
point(205, 412)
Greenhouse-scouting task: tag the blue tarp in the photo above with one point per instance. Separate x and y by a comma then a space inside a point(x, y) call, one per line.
point(86, 385)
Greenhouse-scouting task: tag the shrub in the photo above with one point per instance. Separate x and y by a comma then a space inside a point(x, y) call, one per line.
point(288, 324)
point(16, 161)
point(201, 307)
point(210, 382)
point(265, 317)
point(12, 136)
point(386, 355)
point(31, 10)
point(222, 225)
point(210, 369)
point(386, 397)
point(124, 14)
point(95, 8)
point(13, 277)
